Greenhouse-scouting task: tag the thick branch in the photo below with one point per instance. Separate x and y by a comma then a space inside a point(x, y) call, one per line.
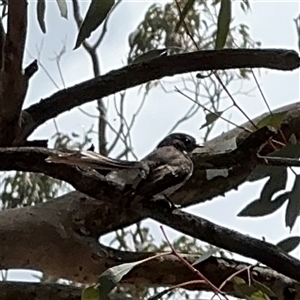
point(61, 250)
point(279, 284)
point(38, 291)
point(136, 74)
point(228, 239)
point(33, 160)
point(14, 85)
point(78, 220)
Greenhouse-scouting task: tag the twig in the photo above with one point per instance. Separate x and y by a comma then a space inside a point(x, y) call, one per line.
point(195, 271)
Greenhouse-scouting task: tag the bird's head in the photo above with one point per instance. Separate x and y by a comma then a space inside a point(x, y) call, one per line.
point(180, 141)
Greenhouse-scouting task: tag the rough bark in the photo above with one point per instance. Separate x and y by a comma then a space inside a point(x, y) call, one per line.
point(13, 82)
point(60, 237)
point(283, 287)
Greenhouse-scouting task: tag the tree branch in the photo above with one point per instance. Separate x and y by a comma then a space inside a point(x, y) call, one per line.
point(14, 86)
point(147, 275)
point(225, 238)
point(76, 219)
point(33, 160)
point(136, 74)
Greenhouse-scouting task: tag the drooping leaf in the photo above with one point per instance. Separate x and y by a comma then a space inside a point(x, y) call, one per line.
point(211, 118)
point(62, 5)
point(149, 55)
point(184, 13)
point(242, 289)
point(289, 244)
point(90, 293)
point(259, 208)
point(293, 207)
point(224, 19)
point(255, 291)
point(274, 120)
point(95, 16)
point(258, 295)
point(40, 9)
point(263, 288)
point(276, 183)
point(206, 255)
point(112, 276)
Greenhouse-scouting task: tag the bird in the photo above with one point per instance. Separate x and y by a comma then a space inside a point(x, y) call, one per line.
point(160, 173)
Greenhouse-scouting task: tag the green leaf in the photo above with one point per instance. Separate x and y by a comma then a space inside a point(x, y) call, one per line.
point(293, 207)
point(184, 13)
point(259, 208)
point(256, 291)
point(243, 290)
point(90, 293)
point(95, 16)
point(62, 5)
point(112, 276)
point(206, 255)
point(273, 120)
point(40, 9)
point(211, 118)
point(263, 288)
point(224, 19)
point(258, 295)
point(289, 244)
point(149, 55)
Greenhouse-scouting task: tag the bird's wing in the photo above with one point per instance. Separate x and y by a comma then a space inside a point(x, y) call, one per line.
point(169, 170)
point(93, 160)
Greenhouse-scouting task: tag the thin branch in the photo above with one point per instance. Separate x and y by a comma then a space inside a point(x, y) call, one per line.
point(225, 238)
point(133, 75)
point(91, 50)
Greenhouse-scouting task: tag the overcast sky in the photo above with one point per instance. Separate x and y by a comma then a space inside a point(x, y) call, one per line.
point(270, 22)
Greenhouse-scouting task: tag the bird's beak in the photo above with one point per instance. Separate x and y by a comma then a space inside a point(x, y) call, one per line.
point(198, 149)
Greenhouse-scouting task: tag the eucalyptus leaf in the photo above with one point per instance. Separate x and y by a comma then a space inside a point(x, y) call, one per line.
point(274, 120)
point(289, 244)
point(258, 208)
point(206, 255)
point(263, 288)
point(224, 19)
point(90, 293)
point(276, 183)
point(95, 16)
point(244, 290)
point(188, 6)
point(149, 55)
point(293, 207)
point(112, 276)
point(40, 9)
point(211, 118)
point(62, 5)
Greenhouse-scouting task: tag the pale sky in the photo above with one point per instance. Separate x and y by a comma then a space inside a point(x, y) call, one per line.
point(270, 22)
